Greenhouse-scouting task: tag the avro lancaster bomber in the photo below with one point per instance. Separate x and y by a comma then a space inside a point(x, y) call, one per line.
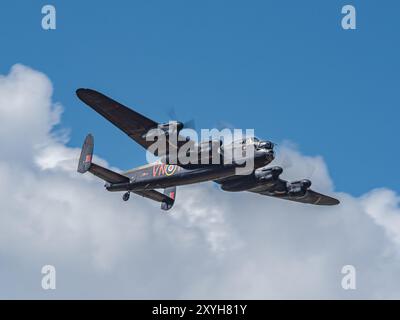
point(167, 175)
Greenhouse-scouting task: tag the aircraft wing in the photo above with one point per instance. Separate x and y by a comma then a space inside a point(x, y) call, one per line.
point(279, 190)
point(131, 122)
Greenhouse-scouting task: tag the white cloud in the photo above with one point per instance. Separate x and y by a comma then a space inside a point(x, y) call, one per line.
point(383, 206)
point(212, 245)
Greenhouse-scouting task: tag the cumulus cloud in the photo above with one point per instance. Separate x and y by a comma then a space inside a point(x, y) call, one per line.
point(211, 245)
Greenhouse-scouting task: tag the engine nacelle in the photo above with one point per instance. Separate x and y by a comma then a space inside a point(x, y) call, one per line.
point(298, 188)
point(260, 177)
point(267, 174)
point(172, 125)
point(165, 129)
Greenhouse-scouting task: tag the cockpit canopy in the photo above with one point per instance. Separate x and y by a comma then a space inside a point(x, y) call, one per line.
point(259, 144)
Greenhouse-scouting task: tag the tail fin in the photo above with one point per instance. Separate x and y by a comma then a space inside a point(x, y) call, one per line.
point(170, 200)
point(86, 164)
point(85, 160)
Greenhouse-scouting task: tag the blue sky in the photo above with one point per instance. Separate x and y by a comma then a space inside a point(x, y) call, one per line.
point(286, 69)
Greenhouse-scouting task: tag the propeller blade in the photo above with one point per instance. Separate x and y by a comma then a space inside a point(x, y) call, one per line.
point(286, 162)
point(190, 124)
point(172, 113)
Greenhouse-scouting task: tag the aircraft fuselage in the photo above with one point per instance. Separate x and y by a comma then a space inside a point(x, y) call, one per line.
point(161, 175)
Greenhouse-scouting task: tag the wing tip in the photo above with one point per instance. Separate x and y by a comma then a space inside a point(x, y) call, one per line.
point(334, 202)
point(328, 201)
point(321, 199)
point(88, 96)
point(81, 92)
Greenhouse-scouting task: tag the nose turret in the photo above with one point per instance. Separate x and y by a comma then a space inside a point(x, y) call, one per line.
point(266, 145)
point(264, 155)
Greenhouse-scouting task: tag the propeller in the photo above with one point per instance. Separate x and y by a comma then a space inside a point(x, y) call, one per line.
point(221, 125)
point(189, 124)
point(286, 162)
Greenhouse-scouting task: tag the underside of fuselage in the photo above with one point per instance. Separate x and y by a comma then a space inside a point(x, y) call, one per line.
point(160, 175)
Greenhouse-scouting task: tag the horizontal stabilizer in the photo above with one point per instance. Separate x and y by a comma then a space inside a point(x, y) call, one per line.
point(107, 174)
point(167, 198)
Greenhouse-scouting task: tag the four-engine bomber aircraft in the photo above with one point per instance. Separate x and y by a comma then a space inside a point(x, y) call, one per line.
point(164, 175)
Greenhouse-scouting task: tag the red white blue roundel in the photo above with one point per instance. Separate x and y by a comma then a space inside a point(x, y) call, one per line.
point(170, 169)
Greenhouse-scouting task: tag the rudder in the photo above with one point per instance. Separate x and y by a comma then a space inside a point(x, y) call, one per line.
point(169, 202)
point(85, 160)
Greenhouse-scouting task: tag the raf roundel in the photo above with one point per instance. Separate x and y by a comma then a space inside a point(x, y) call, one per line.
point(170, 170)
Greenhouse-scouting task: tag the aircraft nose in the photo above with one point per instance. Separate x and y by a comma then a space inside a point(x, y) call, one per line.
point(268, 154)
point(266, 145)
point(271, 154)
